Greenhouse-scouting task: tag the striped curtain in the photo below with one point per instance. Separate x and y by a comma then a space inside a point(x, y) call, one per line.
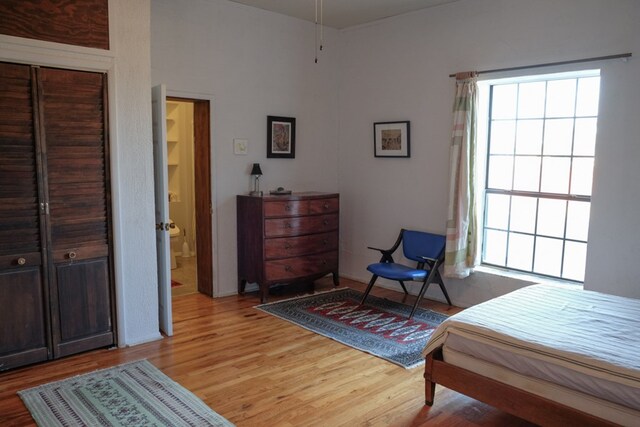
point(461, 254)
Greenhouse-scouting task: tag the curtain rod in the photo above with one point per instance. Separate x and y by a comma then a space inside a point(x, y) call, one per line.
point(575, 61)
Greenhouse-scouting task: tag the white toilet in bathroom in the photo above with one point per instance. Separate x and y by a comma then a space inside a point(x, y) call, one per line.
point(174, 233)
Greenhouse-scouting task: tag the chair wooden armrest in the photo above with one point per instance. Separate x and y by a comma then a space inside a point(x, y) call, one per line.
point(380, 250)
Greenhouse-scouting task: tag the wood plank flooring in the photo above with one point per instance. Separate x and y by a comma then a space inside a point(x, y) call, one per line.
point(257, 370)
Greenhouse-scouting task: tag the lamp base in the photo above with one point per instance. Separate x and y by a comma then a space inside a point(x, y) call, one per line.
point(256, 193)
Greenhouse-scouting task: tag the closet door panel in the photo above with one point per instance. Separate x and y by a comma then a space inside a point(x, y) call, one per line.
point(23, 329)
point(85, 316)
point(73, 115)
point(23, 298)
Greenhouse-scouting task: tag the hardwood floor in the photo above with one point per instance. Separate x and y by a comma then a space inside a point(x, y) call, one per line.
point(257, 370)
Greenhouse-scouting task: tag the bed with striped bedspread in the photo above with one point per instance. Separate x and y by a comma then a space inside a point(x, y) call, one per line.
point(581, 340)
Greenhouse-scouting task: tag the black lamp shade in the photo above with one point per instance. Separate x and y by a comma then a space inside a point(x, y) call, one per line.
point(255, 170)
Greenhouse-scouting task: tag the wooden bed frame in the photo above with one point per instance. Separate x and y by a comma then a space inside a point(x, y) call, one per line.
point(510, 399)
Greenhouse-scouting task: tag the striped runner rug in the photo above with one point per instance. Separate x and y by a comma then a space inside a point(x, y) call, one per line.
point(132, 394)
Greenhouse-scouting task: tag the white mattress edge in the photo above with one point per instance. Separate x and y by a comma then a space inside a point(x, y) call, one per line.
point(574, 399)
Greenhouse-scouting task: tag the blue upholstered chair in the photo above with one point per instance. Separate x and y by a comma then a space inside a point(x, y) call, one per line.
point(426, 249)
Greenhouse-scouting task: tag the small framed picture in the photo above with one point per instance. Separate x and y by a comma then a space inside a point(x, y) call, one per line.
point(281, 137)
point(391, 139)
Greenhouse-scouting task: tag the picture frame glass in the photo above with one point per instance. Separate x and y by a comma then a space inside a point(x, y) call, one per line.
point(391, 139)
point(281, 137)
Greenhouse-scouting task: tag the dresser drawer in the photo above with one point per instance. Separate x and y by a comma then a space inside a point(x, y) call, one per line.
point(281, 227)
point(286, 208)
point(292, 268)
point(284, 247)
point(324, 205)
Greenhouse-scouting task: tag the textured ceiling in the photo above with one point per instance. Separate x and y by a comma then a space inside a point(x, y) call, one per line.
point(343, 13)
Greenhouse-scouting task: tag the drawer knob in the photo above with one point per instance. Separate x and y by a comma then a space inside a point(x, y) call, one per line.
point(287, 208)
point(287, 245)
point(326, 205)
point(325, 241)
point(287, 225)
point(287, 268)
point(22, 261)
point(324, 262)
point(325, 222)
point(72, 255)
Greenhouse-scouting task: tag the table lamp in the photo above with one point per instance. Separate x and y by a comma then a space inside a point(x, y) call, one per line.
point(256, 172)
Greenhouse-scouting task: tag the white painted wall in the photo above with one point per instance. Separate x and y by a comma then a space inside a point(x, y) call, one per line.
point(253, 63)
point(132, 173)
point(397, 69)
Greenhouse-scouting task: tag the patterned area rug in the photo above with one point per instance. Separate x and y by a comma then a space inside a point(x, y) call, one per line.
point(133, 394)
point(380, 327)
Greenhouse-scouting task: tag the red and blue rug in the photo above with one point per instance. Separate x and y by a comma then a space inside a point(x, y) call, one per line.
point(380, 327)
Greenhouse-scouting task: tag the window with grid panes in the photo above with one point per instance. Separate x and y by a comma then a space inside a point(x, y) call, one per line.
point(540, 156)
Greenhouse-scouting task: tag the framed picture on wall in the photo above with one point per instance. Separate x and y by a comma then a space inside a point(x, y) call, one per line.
point(391, 139)
point(281, 137)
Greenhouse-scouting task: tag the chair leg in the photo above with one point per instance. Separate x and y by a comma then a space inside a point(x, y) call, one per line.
point(423, 289)
point(366, 292)
point(403, 288)
point(441, 283)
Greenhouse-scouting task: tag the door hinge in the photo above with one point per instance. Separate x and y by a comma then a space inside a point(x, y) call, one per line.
point(44, 208)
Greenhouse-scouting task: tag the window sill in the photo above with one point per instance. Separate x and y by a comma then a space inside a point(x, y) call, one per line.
point(517, 275)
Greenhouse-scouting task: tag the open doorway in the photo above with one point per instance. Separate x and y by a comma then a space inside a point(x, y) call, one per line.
point(189, 185)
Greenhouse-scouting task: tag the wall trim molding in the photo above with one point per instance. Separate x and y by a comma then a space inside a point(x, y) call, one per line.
point(51, 54)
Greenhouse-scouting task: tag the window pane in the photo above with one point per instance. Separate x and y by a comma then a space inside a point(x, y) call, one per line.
point(558, 136)
point(523, 214)
point(551, 214)
point(548, 256)
point(503, 103)
point(588, 95)
point(497, 211)
point(529, 137)
point(561, 95)
point(520, 251)
point(495, 247)
point(582, 176)
point(578, 220)
point(500, 172)
point(526, 173)
point(585, 137)
point(575, 261)
point(555, 175)
point(503, 134)
point(531, 100)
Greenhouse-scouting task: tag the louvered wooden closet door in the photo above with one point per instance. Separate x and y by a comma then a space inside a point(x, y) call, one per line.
point(73, 114)
point(23, 302)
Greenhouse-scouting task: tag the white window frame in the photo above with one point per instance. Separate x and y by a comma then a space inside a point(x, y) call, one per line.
point(483, 123)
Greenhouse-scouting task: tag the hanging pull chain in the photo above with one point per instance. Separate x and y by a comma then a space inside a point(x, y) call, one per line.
point(321, 25)
point(321, 31)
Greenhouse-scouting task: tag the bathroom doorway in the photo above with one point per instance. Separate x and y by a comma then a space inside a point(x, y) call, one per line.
point(188, 176)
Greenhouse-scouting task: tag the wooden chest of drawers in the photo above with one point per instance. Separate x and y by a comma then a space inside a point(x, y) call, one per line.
point(285, 239)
